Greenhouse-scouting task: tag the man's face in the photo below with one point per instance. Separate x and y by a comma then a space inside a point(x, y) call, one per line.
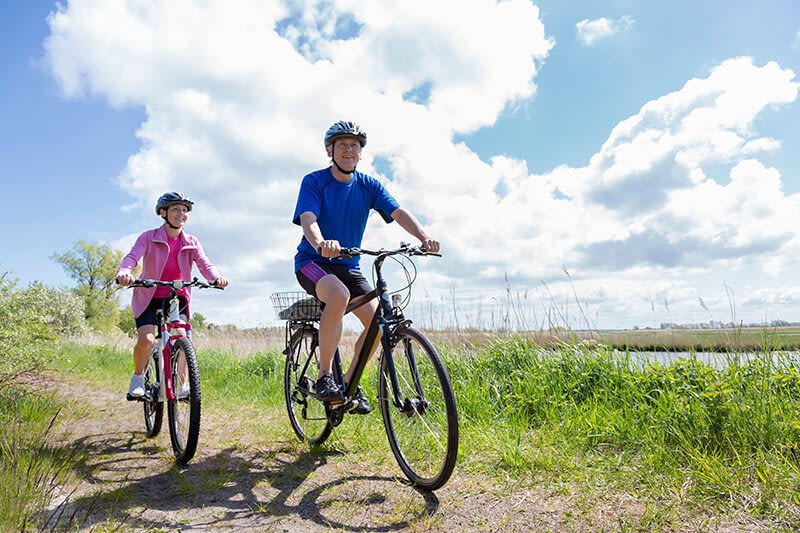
point(347, 152)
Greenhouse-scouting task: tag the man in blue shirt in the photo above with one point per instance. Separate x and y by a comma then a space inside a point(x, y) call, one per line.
point(332, 208)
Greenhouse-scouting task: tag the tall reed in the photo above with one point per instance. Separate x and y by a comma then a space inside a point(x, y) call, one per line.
point(682, 421)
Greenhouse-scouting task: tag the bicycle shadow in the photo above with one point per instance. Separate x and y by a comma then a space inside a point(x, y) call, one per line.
point(125, 479)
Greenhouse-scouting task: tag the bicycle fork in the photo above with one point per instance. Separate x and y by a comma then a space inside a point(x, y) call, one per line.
point(410, 405)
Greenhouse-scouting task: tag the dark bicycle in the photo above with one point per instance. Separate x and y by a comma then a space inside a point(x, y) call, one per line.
point(415, 396)
point(172, 375)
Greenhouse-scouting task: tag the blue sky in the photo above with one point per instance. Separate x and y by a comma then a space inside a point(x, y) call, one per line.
point(608, 163)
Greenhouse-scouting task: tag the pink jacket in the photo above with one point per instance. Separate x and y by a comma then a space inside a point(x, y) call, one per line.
point(152, 246)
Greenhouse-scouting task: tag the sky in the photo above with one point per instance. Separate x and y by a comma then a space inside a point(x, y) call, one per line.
point(590, 164)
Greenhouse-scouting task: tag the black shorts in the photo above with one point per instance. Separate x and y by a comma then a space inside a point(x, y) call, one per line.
point(148, 316)
point(353, 279)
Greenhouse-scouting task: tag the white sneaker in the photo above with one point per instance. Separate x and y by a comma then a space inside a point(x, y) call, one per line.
point(183, 394)
point(136, 388)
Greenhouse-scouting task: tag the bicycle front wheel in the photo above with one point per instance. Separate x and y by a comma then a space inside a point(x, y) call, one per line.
point(184, 410)
point(423, 428)
point(153, 409)
point(308, 415)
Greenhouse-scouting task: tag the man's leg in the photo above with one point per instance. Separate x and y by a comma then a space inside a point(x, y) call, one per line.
point(335, 296)
point(364, 314)
point(332, 292)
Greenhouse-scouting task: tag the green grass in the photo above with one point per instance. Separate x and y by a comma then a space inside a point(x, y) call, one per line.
point(725, 436)
point(31, 469)
point(684, 438)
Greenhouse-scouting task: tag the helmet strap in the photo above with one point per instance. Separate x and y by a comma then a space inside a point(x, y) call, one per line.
point(166, 220)
point(340, 169)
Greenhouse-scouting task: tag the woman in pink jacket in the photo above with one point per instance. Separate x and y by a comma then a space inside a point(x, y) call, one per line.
point(167, 254)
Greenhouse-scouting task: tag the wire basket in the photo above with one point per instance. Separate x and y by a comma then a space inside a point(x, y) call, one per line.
point(295, 305)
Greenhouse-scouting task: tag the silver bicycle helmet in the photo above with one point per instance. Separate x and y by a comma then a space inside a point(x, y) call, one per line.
point(169, 198)
point(345, 128)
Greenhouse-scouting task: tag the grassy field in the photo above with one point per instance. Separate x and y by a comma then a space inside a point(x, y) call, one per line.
point(728, 340)
point(687, 439)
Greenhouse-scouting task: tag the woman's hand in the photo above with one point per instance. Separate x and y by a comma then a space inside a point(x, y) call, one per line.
point(125, 279)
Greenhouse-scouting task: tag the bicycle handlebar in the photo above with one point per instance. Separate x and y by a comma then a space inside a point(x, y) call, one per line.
point(177, 284)
point(405, 248)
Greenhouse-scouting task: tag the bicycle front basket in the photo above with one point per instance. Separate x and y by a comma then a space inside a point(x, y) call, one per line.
point(296, 305)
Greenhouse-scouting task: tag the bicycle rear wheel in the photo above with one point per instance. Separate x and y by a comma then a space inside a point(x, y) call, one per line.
point(423, 431)
point(153, 409)
point(184, 411)
point(308, 415)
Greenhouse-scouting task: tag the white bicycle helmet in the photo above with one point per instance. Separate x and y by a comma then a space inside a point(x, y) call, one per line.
point(345, 128)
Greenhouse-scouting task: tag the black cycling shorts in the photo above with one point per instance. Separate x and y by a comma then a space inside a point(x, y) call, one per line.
point(148, 316)
point(310, 273)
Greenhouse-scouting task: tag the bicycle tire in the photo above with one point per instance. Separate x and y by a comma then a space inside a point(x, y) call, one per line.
point(184, 413)
point(423, 438)
point(153, 409)
point(308, 416)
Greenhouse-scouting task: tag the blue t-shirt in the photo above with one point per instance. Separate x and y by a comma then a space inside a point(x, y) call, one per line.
point(341, 210)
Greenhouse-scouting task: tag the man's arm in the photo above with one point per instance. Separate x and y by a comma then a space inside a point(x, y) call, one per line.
point(409, 223)
point(312, 233)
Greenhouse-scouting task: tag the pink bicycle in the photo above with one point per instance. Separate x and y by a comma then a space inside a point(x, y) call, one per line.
point(172, 375)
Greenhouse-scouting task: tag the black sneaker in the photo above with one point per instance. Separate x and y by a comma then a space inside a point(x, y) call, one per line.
point(360, 403)
point(328, 390)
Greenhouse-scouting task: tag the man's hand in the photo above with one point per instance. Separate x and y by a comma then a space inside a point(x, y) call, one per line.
point(329, 249)
point(431, 245)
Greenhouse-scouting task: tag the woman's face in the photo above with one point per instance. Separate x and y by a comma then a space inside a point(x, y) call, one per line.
point(177, 214)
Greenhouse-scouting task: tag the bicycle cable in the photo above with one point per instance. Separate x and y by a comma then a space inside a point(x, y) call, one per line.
point(410, 274)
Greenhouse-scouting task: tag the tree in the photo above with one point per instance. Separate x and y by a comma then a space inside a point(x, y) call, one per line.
point(198, 321)
point(94, 267)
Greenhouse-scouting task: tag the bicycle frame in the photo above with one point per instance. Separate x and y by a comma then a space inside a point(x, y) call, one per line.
point(384, 323)
point(165, 329)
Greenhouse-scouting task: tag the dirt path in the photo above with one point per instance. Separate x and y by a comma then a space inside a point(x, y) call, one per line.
point(260, 486)
point(130, 483)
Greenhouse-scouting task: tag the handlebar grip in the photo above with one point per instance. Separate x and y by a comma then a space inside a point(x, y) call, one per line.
point(349, 252)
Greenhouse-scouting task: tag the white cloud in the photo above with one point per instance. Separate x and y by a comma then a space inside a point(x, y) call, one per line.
point(591, 31)
point(239, 93)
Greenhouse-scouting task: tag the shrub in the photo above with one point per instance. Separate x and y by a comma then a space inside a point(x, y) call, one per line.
point(126, 321)
point(25, 338)
point(60, 309)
